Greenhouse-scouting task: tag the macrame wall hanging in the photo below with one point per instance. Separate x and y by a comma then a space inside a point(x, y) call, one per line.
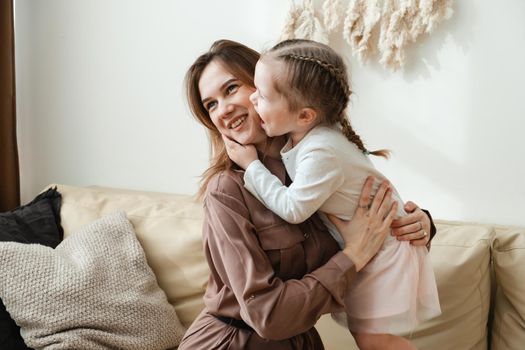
point(382, 28)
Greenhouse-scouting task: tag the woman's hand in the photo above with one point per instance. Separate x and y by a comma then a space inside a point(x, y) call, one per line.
point(414, 227)
point(240, 154)
point(365, 233)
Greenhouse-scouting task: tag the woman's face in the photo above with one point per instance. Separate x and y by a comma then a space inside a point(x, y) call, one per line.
point(226, 99)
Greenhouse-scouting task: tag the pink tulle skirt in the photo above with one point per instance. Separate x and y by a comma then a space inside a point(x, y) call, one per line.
point(393, 293)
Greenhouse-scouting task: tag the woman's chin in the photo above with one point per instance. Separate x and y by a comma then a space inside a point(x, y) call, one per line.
point(244, 139)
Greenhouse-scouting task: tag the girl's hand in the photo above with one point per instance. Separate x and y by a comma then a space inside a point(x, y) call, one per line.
point(365, 233)
point(240, 154)
point(414, 227)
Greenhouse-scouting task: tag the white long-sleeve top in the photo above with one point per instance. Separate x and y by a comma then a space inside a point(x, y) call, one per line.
point(328, 172)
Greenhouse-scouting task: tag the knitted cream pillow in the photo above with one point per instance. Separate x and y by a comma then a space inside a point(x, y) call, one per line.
point(169, 228)
point(94, 291)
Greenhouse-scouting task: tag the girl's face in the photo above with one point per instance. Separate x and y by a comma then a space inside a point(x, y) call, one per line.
point(276, 117)
point(226, 99)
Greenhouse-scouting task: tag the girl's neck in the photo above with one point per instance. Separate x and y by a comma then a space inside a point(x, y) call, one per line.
point(297, 136)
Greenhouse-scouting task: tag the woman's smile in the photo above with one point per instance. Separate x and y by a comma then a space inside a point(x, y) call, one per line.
point(237, 121)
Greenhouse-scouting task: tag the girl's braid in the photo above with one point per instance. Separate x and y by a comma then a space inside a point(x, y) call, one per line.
point(350, 134)
point(333, 70)
point(340, 77)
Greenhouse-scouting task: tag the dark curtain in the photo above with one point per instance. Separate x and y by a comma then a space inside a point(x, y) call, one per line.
point(9, 173)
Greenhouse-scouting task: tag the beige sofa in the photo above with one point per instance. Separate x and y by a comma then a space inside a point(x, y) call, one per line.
point(480, 269)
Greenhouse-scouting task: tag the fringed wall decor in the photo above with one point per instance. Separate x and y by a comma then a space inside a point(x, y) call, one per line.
point(382, 28)
point(302, 23)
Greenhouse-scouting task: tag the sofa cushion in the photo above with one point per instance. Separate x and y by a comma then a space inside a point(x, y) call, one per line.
point(35, 222)
point(508, 328)
point(169, 228)
point(95, 290)
point(460, 256)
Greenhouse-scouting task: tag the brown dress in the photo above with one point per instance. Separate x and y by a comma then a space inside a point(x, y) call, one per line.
point(275, 277)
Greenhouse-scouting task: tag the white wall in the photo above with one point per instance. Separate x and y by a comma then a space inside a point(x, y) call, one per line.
point(100, 99)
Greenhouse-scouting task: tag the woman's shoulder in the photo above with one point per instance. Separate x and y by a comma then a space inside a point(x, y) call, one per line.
point(225, 194)
point(229, 182)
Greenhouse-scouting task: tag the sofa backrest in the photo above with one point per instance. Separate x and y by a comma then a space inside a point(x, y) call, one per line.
point(168, 226)
point(475, 265)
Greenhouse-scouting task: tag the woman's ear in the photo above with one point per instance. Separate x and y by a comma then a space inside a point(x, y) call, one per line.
point(307, 116)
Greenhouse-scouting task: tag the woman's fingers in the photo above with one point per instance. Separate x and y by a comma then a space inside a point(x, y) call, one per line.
point(379, 196)
point(387, 221)
point(420, 235)
point(420, 242)
point(385, 206)
point(412, 233)
point(366, 192)
point(410, 206)
point(408, 219)
point(411, 227)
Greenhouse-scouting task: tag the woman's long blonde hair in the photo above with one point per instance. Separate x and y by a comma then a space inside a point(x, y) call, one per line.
point(240, 61)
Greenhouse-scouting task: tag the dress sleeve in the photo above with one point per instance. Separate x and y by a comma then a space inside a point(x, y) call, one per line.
point(274, 308)
point(318, 174)
point(433, 229)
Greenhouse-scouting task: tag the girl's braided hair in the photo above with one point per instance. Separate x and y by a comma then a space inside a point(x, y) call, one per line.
point(316, 77)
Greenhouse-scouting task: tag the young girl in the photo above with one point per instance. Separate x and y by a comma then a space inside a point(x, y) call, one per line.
point(303, 91)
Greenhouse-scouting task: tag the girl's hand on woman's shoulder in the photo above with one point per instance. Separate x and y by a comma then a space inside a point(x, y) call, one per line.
point(365, 233)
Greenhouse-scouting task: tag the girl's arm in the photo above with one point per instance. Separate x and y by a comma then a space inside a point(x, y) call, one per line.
point(317, 176)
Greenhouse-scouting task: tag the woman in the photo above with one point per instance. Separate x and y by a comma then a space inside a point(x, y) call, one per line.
point(270, 281)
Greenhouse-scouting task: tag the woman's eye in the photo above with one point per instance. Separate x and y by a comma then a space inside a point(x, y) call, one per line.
point(231, 88)
point(210, 105)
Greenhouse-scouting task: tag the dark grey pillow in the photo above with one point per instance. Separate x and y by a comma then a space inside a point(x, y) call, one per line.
point(35, 222)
